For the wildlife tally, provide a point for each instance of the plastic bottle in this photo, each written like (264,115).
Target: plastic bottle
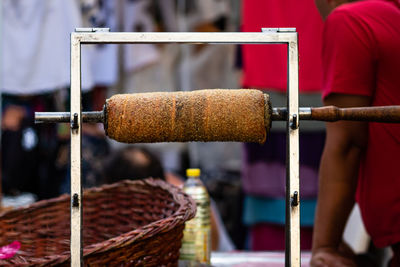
(196,242)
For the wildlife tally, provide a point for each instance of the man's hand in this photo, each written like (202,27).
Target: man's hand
(329,257)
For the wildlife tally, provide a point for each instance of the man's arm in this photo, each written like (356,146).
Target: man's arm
(338,175)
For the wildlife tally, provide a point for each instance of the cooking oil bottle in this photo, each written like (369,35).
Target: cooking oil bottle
(196,242)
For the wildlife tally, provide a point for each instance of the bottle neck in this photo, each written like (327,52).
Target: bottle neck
(193,181)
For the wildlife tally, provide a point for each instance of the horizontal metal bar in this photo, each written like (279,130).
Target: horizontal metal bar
(59,117)
(185,37)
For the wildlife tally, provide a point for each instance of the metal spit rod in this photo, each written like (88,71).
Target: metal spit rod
(278,114)
(329,113)
(60,117)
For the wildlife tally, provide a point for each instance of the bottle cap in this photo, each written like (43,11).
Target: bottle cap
(193,172)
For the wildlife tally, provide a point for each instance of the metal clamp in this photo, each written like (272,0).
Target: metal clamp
(294,122)
(74,122)
(295,199)
(75,200)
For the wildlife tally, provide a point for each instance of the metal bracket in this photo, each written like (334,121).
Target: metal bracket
(278,30)
(92,29)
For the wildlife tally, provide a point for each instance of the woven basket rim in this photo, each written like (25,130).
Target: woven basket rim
(185,211)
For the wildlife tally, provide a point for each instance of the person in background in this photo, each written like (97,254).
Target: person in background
(361,62)
(264,166)
(34,75)
(134,162)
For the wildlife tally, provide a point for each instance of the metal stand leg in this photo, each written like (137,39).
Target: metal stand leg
(292,253)
(76,150)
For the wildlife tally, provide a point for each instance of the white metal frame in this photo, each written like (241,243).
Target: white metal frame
(286,36)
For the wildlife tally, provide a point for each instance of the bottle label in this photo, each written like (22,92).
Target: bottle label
(196,243)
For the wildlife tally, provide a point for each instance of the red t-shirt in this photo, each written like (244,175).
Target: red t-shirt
(361,56)
(265,66)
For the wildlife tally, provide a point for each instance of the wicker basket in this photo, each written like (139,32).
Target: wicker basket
(129,223)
